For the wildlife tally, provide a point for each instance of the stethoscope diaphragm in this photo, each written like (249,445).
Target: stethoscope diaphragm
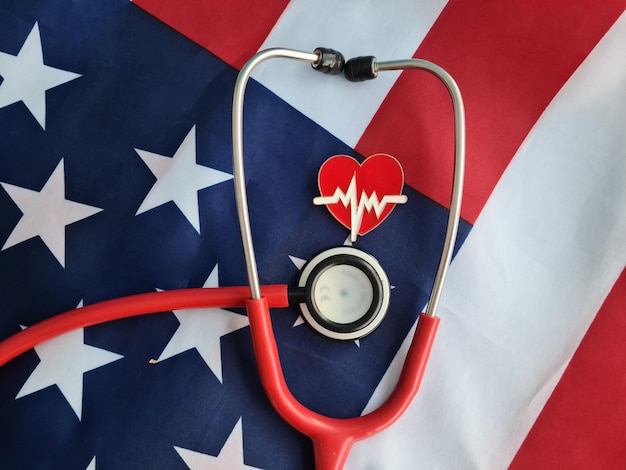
(346,293)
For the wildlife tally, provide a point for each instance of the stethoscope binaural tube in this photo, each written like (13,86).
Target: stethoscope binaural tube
(332,438)
(238,171)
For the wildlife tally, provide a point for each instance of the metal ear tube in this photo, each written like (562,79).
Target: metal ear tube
(332,438)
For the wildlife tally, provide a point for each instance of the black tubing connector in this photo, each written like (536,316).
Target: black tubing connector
(360,69)
(296,295)
(330,61)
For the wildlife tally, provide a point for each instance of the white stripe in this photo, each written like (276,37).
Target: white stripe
(527,283)
(389,30)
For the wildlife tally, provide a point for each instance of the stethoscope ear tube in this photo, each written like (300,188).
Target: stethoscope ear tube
(332,437)
(359,64)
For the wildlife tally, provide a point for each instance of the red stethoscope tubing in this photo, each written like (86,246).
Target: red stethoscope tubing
(333,437)
(134,305)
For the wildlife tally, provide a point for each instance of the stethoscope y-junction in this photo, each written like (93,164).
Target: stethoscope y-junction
(343,292)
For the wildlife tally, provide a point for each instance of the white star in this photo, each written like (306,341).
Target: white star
(203,329)
(46,213)
(298,263)
(230,457)
(179,179)
(92,464)
(64,360)
(26,77)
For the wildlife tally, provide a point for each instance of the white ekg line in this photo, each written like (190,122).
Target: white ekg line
(349,198)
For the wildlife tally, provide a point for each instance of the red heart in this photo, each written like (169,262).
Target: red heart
(360,196)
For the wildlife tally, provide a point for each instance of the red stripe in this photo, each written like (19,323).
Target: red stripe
(583,421)
(233,30)
(509,60)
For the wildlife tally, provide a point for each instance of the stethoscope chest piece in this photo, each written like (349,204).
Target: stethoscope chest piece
(346,293)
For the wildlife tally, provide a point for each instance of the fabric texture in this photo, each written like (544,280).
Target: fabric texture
(116,175)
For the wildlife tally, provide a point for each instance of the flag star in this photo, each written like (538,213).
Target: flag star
(63,361)
(298,263)
(26,78)
(231,455)
(202,329)
(46,213)
(92,464)
(179,179)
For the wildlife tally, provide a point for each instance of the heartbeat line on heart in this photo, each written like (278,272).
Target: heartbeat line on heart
(358,208)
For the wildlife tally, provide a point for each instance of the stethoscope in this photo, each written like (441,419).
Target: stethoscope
(343,292)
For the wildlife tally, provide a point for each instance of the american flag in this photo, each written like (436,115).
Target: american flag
(116,175)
